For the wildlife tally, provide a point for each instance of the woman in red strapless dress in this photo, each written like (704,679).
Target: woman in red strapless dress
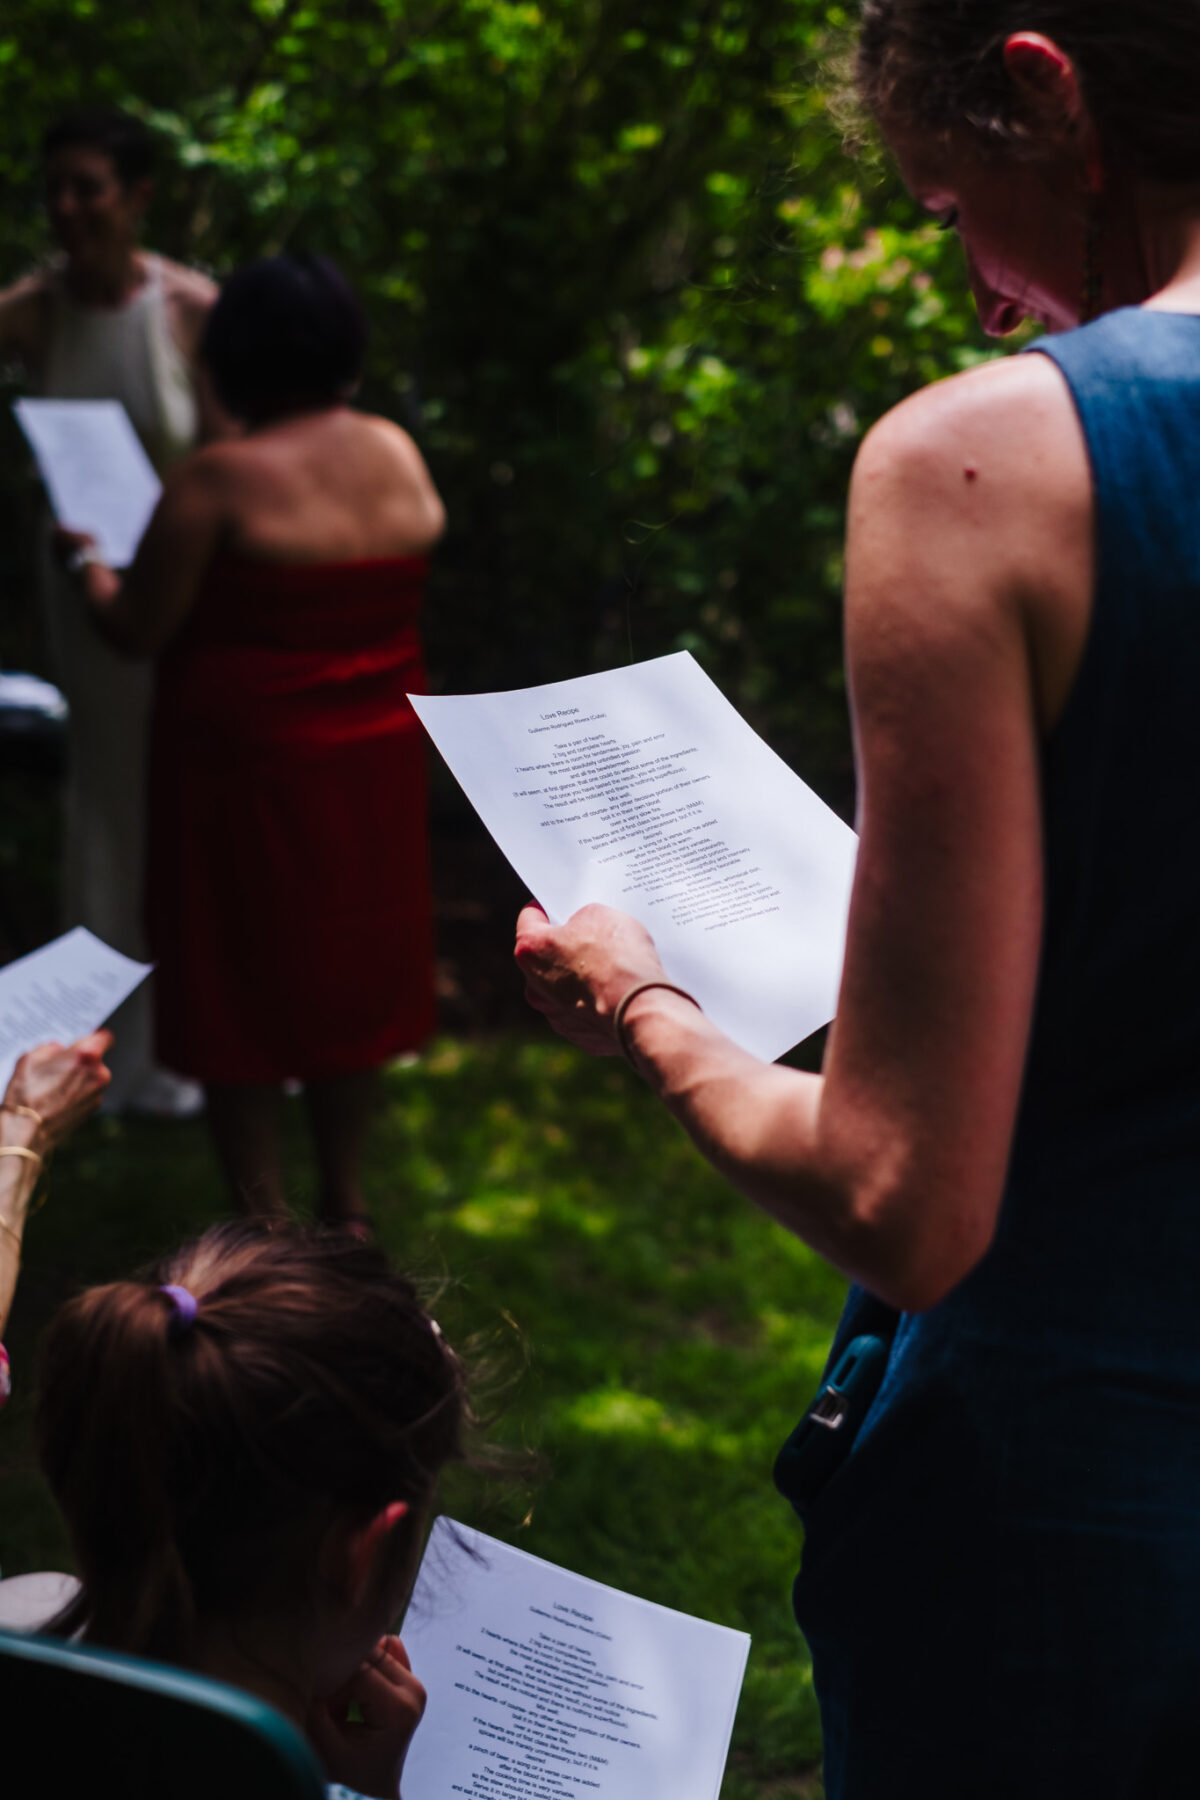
(279,585)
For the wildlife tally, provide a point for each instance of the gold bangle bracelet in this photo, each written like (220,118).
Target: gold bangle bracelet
(20,1150)
(643,987)
(22,1112)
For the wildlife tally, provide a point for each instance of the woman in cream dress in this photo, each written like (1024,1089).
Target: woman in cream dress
(109,321)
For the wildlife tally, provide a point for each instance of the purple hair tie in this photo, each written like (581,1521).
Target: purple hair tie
(183,1309)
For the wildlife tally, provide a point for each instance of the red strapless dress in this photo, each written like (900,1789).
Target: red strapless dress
(288,890)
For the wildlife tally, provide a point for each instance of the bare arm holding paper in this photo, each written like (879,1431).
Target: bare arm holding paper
(61,992)
(142,612)
(51,1091)
(892,1162)
(644,789)
(110,503)
(99,478)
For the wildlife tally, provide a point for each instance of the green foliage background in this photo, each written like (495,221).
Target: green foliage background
(625,286)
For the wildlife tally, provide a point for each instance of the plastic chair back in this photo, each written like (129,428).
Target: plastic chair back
(77,1720)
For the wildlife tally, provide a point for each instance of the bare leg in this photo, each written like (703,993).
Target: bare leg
(339,1112)
(244,1122)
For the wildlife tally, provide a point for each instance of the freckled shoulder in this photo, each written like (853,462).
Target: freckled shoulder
(1008,429)
(972,520)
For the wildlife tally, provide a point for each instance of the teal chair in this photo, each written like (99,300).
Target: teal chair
(76,1721)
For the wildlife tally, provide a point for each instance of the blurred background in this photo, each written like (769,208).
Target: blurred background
(625,288)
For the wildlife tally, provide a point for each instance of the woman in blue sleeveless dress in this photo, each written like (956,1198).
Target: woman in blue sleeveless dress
(1001,1582)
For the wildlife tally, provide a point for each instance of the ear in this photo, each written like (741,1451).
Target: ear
(366,1548)
(1047,80)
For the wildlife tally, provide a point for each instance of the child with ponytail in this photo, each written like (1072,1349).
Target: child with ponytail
(245,1447)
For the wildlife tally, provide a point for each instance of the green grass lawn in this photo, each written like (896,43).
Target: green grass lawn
(660,1337)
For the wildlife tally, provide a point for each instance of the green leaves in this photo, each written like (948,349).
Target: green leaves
(611,249)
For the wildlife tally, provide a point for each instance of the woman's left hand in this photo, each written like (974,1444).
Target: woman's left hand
(367,1754)
(577,974)
(61,1084)
(100,583)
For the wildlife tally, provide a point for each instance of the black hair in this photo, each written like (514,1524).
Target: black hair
(287,332)
(936,64)
(120,135)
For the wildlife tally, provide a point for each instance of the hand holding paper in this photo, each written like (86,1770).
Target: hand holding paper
(62,992)
(99,478)
(367,1754)
(617,953)
(62,1084)
(644,791)
(544,1685)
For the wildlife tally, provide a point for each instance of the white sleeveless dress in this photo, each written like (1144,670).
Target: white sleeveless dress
(125,353)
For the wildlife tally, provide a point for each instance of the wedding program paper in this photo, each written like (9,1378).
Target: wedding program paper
(644,789)
(61,992)
(97,474)
(544,1685)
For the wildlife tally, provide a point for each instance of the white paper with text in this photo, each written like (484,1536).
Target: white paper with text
(61,992)
(644,789)
(544,1685)
(96,472)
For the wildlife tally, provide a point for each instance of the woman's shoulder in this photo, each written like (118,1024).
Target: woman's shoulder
(996,452)
(1002,410)
(188,296)
(210,484)
(391,458)
(972,519)
(189,287)
(390,440)
(211,465)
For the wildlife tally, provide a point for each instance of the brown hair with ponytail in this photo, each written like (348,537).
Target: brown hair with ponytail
(930,65)
(199,1466)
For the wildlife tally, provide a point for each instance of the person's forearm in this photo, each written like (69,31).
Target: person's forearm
(855,1161)
(762,1127)
(18,1178)
(756,1122)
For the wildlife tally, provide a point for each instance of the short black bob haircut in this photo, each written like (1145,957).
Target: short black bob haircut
(117,134)
(287,333)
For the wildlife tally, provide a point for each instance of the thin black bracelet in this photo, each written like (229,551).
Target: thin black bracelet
(623,1006)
